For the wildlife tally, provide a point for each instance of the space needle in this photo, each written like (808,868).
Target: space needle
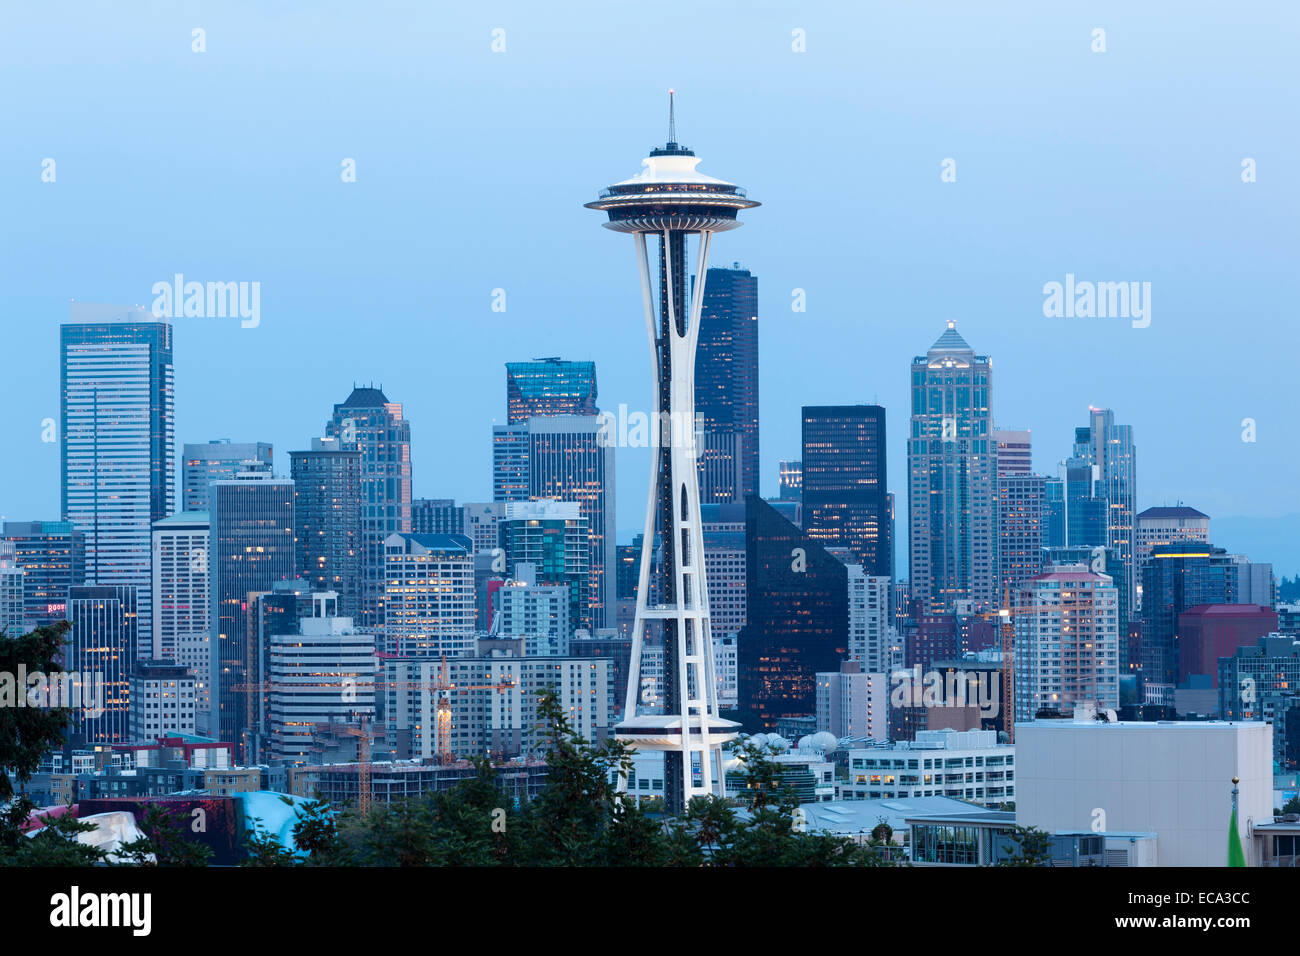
(670,199)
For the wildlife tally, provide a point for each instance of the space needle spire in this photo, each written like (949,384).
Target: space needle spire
(671,200)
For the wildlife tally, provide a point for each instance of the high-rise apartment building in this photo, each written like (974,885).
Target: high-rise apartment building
(726,373)
(327,520)
(845,499)
(205,462)
(852,702)
(118,440)
(1022,524)
(537,614)
(725,571)
(564,458)
(164,701)
(1066,642)
(871,627)
(367,422)
(429,609)
(952,477)
(181,599)
(250,548)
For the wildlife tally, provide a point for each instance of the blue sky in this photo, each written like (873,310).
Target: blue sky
(472,167)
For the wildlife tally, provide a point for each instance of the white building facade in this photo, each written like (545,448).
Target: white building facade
(968,765)
(1173,778)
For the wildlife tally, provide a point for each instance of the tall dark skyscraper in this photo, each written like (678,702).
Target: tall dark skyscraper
(250,548)
(1176,578)
(118,440)
(726,377)
(549,386)
(845,501)
(101,647)
(327,520)
(952,478)
(797,617)
(372,425)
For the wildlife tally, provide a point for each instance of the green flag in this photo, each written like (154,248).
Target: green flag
(1236,857)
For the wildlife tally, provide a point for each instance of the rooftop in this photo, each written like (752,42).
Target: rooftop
(1180,511)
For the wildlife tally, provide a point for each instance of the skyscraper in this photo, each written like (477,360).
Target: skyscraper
(549,386)
(1066,642)
(1110,450)
(369,423)
(327,520)
(52,555)
(796,621)
(952,477)
(118,440)
(790,480)
(845,501)
(323,674)
(1165,525)
(205,462)
(1022,523)
(181,602)
(551,538)
(429,609)
(537,614)
(101,648)
(1177,577)
(250,547)
(726,374)
(564,458)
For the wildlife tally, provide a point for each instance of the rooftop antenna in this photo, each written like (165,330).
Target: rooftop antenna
(672,121)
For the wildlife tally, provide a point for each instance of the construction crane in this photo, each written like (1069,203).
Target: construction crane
(363,763)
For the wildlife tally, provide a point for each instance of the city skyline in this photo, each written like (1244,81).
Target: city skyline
(950,526)
(914,285)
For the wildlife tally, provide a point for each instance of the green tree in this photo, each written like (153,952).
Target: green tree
(28,733)
(165,838)
(1031,846)
(55,845)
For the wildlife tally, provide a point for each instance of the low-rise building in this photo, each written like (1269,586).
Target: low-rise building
(969,765)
